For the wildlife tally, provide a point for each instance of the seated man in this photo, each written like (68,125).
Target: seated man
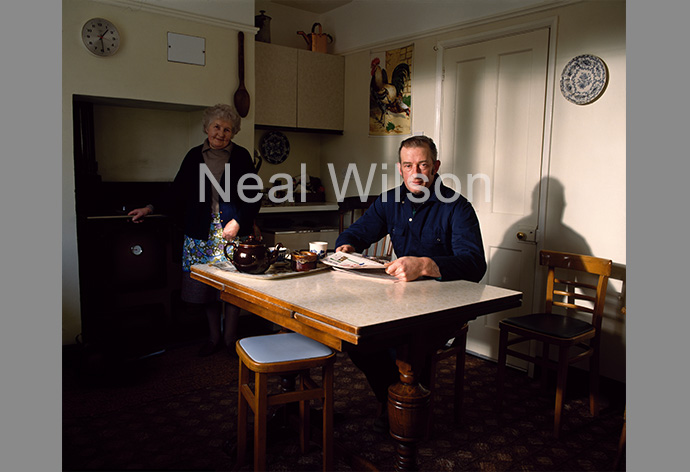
(435,233)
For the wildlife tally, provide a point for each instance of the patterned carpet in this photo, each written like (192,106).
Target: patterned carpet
(176,411)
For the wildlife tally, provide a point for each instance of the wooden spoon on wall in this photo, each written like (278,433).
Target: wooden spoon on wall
(241,95)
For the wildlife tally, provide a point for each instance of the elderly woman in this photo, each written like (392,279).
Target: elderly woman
(210,222)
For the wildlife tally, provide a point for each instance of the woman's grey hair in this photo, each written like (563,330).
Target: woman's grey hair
(223,112)
(420,141)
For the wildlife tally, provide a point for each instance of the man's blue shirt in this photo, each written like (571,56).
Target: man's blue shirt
(446,231)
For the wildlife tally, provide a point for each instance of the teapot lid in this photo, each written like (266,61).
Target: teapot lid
(251,241)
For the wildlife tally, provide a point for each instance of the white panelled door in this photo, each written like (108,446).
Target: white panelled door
(492,131)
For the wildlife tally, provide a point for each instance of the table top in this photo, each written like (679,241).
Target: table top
(353,307)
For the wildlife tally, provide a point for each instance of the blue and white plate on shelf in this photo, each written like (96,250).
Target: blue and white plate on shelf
(584,79)
(274,147)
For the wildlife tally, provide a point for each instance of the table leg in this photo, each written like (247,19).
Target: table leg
(408,411)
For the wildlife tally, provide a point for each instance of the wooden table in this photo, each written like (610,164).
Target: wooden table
(343,310)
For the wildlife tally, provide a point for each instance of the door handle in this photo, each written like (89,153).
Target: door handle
(526,234)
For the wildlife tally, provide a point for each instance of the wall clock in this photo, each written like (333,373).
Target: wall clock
(100,37)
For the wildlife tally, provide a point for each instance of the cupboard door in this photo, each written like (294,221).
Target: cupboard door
(320,90)
(275,85)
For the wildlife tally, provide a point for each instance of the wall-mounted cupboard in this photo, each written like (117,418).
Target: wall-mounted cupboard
(298,89)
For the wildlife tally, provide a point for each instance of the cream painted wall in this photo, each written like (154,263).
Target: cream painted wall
(588,153)
(588,157)
(140,70)
(376,20)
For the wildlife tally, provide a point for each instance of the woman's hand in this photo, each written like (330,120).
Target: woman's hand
(138,214)
(345,248)
(231,230)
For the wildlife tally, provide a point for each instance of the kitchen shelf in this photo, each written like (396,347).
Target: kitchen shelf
(134,103)
(317,206)
(289,129)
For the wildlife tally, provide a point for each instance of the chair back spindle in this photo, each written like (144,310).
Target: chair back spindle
(352,208)
(571,292)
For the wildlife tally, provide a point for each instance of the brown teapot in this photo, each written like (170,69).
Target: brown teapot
(252,256)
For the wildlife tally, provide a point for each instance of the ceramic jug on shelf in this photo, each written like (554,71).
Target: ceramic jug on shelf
(263,22)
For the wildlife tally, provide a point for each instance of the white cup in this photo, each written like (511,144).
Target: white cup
(319,248)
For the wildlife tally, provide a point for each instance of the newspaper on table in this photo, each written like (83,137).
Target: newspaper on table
(358,264)
(350,260)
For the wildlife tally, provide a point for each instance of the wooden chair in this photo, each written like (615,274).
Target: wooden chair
(381,249)
(352,208)
(455,347)
(621,445)
(281,354)
(576,295)
(621,440)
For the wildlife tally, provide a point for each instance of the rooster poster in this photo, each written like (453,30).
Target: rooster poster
(390,96)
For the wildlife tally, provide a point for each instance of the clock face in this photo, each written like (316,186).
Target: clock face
(100,37)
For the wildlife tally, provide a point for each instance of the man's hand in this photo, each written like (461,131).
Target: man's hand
(409,268)
(345,248)
(231,230)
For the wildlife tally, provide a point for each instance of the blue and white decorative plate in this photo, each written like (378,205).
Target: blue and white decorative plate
(584,79)
(274,147)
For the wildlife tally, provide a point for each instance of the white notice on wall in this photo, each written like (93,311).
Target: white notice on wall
(186,49)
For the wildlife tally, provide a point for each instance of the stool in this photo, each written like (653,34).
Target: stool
(283,353)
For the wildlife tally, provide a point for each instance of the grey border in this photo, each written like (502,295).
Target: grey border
(657,121)
(657,233)
(30,190)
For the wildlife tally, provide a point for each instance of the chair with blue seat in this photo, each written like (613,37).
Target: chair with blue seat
(283,354)
(576,285)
